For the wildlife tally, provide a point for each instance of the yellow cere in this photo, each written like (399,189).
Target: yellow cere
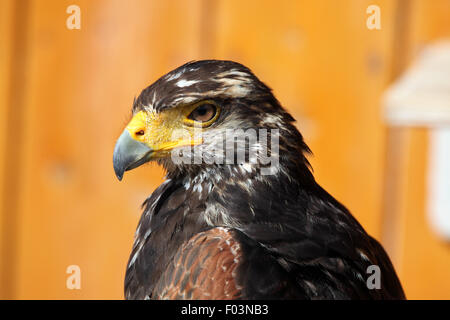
(165,130)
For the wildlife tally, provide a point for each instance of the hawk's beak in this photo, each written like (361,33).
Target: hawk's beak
(129,154)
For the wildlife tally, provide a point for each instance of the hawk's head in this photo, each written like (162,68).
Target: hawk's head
(209,114)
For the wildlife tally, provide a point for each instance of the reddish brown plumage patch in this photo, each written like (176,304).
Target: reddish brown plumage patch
(203,268)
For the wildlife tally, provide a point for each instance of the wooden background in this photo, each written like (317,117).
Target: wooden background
(65,96)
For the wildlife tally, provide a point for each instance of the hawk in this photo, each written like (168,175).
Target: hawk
(226,223)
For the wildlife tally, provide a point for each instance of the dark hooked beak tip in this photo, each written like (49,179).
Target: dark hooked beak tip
(119,173)
(129,154)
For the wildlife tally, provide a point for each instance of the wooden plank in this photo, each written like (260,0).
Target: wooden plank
(13,30)
(397,144)
(82,83)
(6,8)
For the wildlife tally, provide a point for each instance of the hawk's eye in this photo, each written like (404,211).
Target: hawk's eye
(203,113)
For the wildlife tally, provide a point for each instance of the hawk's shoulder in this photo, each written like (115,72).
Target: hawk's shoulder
(223,263)
(205,267)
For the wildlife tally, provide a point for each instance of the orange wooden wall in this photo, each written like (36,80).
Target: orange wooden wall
(65,96)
